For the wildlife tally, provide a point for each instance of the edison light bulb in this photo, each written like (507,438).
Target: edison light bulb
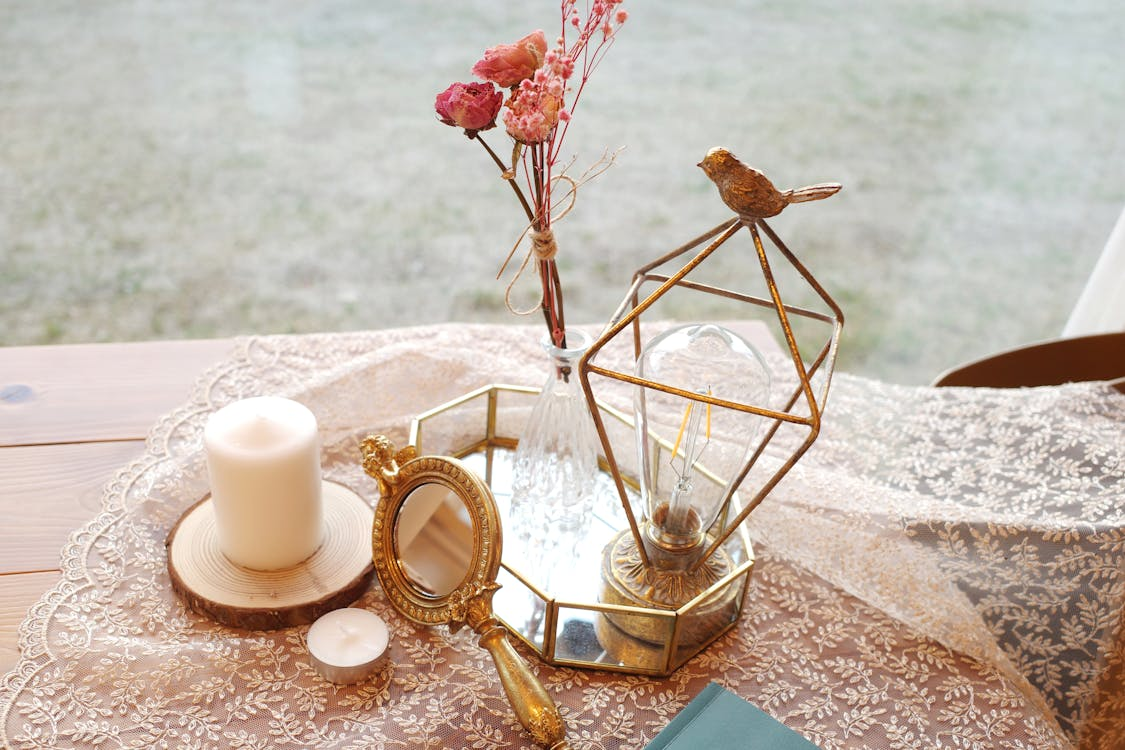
(691,451)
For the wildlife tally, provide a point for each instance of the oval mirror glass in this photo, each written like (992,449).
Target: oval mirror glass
(433,534)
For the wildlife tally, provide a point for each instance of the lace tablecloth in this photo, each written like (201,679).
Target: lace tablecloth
(943,569)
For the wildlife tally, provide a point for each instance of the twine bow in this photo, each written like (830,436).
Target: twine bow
(543,246)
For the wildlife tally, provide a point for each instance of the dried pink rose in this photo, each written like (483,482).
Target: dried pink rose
(508,64)
(472,106)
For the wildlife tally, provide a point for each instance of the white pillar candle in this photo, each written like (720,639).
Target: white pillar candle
(348,645)
(263,460)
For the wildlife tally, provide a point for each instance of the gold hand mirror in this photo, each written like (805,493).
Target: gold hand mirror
(436,544)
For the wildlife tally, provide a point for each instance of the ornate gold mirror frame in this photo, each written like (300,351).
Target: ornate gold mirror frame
(403,475)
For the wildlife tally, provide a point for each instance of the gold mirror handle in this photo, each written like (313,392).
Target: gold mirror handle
(535,709)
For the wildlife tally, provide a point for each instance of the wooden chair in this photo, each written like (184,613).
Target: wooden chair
(1097,357)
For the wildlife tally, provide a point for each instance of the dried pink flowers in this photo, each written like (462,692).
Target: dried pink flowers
(472,106)
(538,112)
(508,64)
(532,115)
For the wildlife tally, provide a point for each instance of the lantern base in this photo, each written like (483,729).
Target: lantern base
(626,580)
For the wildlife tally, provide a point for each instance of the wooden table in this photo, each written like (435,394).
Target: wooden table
(70,416)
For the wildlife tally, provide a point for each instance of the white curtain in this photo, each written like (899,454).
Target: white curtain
(1101,307)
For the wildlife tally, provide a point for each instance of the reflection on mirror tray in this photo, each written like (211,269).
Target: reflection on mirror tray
(436,544)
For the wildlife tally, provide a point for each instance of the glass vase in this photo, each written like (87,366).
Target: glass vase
(556,462)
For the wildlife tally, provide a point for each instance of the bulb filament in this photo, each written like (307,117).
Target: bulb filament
(679,517)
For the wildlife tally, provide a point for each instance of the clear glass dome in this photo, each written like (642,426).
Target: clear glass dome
(691,451)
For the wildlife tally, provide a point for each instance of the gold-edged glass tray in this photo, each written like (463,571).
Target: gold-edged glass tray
(561,612)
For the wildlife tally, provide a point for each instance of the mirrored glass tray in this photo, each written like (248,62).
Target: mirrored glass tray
(554,600)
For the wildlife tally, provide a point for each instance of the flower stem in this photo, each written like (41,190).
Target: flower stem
(540,220)
(560,321)
(504,169)
(548,269)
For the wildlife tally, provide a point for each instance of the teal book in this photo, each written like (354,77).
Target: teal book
(718,719)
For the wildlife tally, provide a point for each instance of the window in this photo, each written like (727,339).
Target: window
(185,169)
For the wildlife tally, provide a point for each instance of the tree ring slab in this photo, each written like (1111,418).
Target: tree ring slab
(334,576)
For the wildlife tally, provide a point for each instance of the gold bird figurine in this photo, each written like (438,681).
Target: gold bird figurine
(749,193)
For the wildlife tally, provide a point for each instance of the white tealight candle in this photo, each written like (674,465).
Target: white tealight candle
(348,645)
(263,460)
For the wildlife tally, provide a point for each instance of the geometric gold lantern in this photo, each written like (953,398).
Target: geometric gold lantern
(704,418)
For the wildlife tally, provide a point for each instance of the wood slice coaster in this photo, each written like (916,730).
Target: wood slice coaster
(337,574)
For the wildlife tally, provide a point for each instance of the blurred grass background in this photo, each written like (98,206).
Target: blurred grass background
(192,168)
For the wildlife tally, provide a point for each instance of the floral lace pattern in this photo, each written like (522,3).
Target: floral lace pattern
(944,568)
